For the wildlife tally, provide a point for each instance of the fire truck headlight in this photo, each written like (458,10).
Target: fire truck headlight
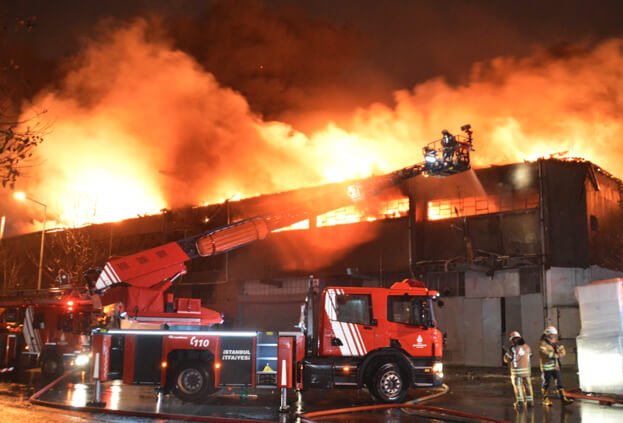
(82,360)
(438,368)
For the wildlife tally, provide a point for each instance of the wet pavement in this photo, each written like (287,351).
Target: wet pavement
(485,392)
(490,394)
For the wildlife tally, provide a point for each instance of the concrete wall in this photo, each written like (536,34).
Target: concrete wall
(525,314)
(502,284)
(562,306)
(473,328)
(531,321)
(477,330)
(474,324)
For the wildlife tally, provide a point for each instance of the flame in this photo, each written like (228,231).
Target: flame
(105,196)
(96,176)
(388,209)
(343,155)
(137,126)
(472,206)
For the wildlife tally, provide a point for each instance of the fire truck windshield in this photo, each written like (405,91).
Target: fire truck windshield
(410,310)
(78,323)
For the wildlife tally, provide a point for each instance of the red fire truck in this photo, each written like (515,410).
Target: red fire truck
(381,338)
(48,328)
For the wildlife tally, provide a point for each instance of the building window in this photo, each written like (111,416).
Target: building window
(303,224)
(344,215)
(389,209)
(351,308)
(529,280)
(473,206)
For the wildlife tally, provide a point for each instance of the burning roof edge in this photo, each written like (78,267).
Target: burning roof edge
(261,201)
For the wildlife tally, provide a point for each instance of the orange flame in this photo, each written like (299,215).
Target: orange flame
(138,126)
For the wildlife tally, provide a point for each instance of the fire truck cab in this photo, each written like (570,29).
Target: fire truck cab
(384,339)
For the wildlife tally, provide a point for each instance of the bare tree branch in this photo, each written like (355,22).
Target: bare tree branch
(11,267)
(70,253)
(18,141)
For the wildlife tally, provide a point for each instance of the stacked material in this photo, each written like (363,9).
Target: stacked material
(600,344)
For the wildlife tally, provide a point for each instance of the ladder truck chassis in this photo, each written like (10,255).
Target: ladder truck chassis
(396,348)
(384,339)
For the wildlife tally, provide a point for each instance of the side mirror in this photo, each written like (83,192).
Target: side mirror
(374,322)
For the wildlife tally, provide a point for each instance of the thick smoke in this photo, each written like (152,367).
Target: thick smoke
(137,125)
(281,59)
(567,102)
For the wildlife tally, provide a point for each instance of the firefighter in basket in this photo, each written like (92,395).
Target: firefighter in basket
(449,144)
(518,360)
(550,352)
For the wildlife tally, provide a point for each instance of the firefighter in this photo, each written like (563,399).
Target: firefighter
(550,352)
(518,360)
(448,142)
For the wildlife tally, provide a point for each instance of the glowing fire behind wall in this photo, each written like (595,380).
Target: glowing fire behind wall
(137,126)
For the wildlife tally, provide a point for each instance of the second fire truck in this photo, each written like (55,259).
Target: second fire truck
(384,339)
(49,329)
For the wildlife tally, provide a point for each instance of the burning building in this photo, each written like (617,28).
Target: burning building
(505,245)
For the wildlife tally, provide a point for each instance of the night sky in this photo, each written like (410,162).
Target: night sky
(296,49)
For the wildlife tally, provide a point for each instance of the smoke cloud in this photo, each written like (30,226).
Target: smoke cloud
(281,59)
(137,125)
(567,101)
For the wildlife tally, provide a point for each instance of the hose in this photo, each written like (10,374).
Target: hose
(434,412)
(444,390)
(35,397)
(412,407)
(600,398)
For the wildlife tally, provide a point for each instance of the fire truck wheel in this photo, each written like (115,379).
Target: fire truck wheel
(193,381)
(51,367)
(388,384)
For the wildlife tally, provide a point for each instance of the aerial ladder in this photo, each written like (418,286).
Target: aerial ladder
(140,281)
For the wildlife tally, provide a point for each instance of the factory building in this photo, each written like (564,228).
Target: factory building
(505,245)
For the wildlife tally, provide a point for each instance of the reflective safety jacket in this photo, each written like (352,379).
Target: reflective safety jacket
(549,354)
(518,360)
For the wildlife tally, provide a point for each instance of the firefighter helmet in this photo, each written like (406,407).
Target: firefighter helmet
(550,330)
(514,334)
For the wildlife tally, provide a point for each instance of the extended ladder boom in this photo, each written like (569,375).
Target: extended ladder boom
(157,268)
